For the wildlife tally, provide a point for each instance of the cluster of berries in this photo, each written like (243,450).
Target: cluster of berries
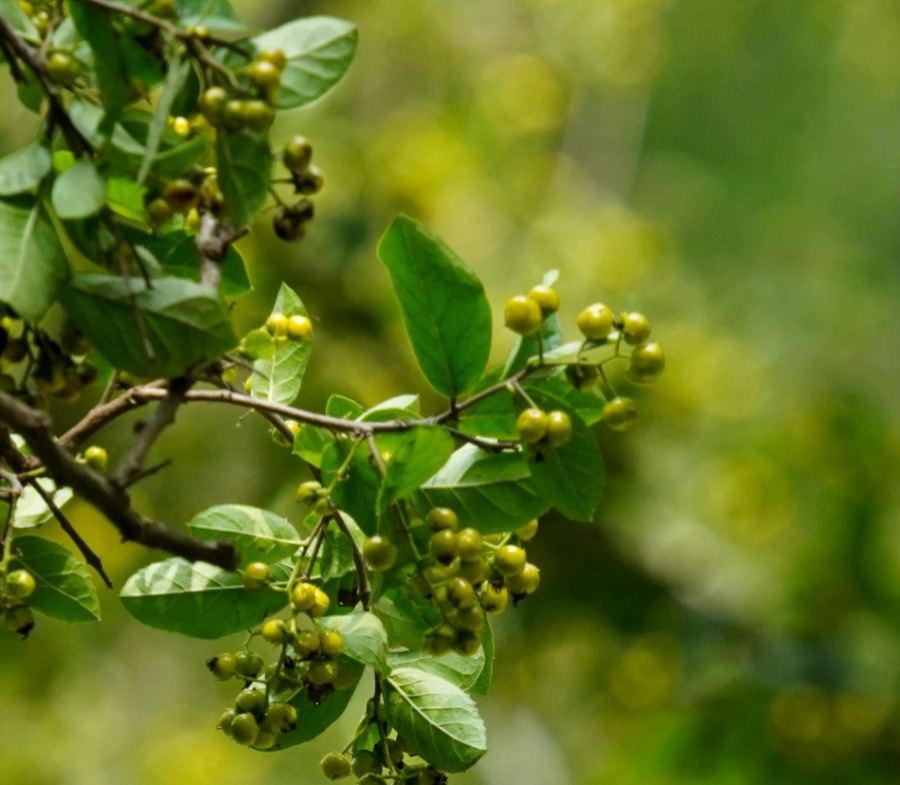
(15,587)
(290,221)
(35,367)
(367,765)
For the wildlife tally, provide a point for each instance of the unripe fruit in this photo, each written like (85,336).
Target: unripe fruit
(528,531)
(467,643)
(212,104)
(311,491)
(531,425)
(20,619)
(62,68)
(265,739)
(469,544)
(461,594)
(331,643)
(307,643)
(546,297)
(299,327)
(222,666)
(525,582)
(469,618)
(441,518)
(596,322)
(159,211)
(474,571)
(244,728)
(225,721)
(303,596)
(380,553)
(320,604)
(264,74)
(522,315)
(20,584)
(559,428)
(493,599)
(251,699)
(310,181)
(647,362)
(439,640)
(256,575)
(274,56)
(248,664)
(336,765)
(287,225)
(321,672)
(635,328)
(281,717)
(442,545)
(274,631)
(509,559)
(256,115)
(181,194)
(297,154)
(180,125)
(620,413)
(96,457)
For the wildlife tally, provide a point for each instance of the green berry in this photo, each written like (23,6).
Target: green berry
(264,75)
(380,553)
(331,643)
(531,425)
(96,457)
(442,545)
(439,640)
(620,413)
(222,666)
(321,672)
(299,327)
(524,582)
(256,575)
(281,717)
(320,604)
(225,721)
(469,544)
(20,584)
(307,643)
(274,56)
(303,596)
(274,631)
(20,619)
(248,664)
(509,559)
(181,194)
(528,531)
(647,362)
(244,728)
(288,225)
(467,643)
(212,104)
(460,594)
(596,322)
(469,618)
(635,328)
(251,699)
(493,599)
(559,428)
(265,739)
(336,765)
(297,154)
(62,68)
(441,518)
(257,115)
(546,297)
(522,315)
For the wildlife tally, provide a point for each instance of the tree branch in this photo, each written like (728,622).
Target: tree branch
(99,491)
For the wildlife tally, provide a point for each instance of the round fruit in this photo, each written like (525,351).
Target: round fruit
(96,457)
(596,322)
(159,211)
(256,575)
(469,544)
(380,553)
(20,619)
(336,765)
(297,154)
(212,104)
(509,559)
(310,181)
(559,428)
(300,327)
(546,297)
(441,518)
(461,594)
(225,721)
(264,75)
(525,582)
(265,739)
(635,328)
(528,531)
(181,194)
(281,717)
(620,413)
(257,115)
(274,56)
(469,618)
(222,666)
(20,584)
(522,315)
(251,699)
(287,226)
(647,362)
(303,596)
(274,631)
(467,643)
(244,728)
(248,664)
(494,599)
(320,604)
(233,114)
(440,640)
(321,672)
(442,545)
(474,571)
(531,425)
(307,643)
(62,68)
(309,492)
(331,643)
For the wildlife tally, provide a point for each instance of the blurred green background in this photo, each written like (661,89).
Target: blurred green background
(732,169)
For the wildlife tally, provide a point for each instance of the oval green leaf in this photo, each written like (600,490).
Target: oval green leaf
(365,639)
(24,169)
(259,535)
(244,167)
(279,377)
(79,191)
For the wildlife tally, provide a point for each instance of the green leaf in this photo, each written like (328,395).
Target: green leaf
(125,197)
(357,492)
(571,477)
(259,535)
(198,599)
(365,639)
(482,684)
(406,617)
(337,551)
(438,721)
(32,510)
(64,590)
(33,264)
(279,378)
(17,19)
(96,27)
(216,15)
(185,321)
(557,392)
(24,169)
(493,492)
(493,417)
(172,161)
(455,668)
(316,717)
(526,346)
(177,72)
(342,407)
(418,454)
(245,164)
(446,313)
(79,191)
(400,407)
(319,51)
(310,443)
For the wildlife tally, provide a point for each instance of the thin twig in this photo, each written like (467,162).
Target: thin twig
(365,590)
(89,554)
